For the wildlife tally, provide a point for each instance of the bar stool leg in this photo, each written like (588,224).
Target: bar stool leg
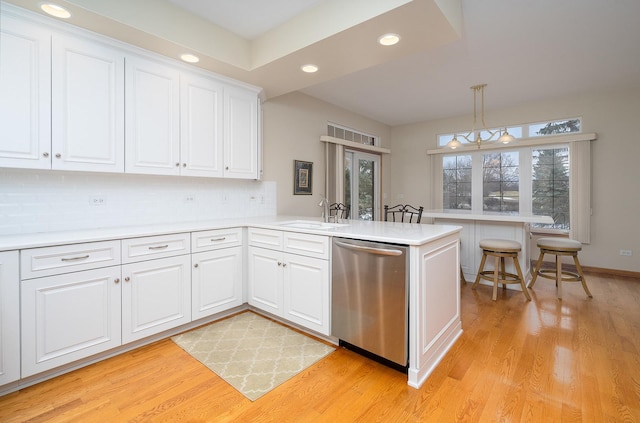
(579,269)
(535,272)
(519,271)
(559,275)
(477,281)
(496,272)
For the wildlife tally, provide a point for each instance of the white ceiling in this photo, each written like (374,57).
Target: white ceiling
(247,18)
(525,50)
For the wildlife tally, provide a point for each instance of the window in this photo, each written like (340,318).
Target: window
(525,130)
(534,179)
(500,182)
(550,185)
(456,182)
(349,134)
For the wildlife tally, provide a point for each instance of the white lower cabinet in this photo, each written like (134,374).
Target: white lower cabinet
(265,280)
(288,279)
(306,292)
(156,296)
(9,317)
(68,317)
(216,281)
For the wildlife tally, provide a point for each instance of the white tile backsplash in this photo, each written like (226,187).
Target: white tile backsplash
(47,201)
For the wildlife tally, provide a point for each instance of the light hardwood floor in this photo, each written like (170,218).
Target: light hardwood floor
(541,361)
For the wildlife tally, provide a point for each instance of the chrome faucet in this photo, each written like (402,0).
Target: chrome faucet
(324,202)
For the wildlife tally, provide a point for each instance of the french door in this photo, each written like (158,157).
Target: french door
(362,184)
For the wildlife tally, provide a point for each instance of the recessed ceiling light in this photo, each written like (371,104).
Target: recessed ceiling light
(309,68)
(55,10)
(190,58)
(389,39)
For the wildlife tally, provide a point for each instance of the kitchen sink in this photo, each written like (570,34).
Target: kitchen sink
(311,224)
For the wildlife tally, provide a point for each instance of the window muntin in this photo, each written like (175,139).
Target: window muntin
(501,182)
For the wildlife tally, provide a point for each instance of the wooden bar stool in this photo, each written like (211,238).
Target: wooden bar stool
(560,247)
(500,249)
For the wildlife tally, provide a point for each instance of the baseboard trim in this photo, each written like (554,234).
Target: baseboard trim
(589,269)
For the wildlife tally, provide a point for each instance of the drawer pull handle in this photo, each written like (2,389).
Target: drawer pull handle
(75,258)
(159,247)
(218,239)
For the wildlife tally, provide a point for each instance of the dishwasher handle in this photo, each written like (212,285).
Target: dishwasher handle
(372,250)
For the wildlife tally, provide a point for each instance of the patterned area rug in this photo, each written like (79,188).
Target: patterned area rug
(253,354)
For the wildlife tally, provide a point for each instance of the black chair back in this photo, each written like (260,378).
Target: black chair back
(403,213)
(339,210)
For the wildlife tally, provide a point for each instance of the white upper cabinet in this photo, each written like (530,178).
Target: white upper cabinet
(152,130)
(70,100)
(25,94)
(87,106)
(240,133)
(201,140)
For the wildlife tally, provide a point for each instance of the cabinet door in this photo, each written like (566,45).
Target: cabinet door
(9,317)
(25,94)
(68,317)
(265,280)
(156,296)
(152,117)
(240,133)
(306,292)
(88,106)
(216,281)
(201,126)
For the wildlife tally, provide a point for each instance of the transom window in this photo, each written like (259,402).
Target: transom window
(525,130)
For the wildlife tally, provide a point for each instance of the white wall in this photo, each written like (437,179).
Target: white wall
(292,127)
(614,116)
(45,201)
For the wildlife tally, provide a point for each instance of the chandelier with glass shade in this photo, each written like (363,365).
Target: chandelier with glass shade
(475,136)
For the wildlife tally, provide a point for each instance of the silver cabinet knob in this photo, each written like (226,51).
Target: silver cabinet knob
(279,264)
(45,154)
(177,164)
(58,155)
(226,168)
(195,265)
(127,279)
(284,264)
(184,165)
(117,280)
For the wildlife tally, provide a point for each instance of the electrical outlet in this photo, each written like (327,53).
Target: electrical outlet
(97,201)
(189,199)
(626,253)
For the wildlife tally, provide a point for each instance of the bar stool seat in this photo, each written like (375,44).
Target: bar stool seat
(560,247)
(500,249)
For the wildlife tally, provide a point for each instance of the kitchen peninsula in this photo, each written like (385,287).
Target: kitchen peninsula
(42,274)
(480,225)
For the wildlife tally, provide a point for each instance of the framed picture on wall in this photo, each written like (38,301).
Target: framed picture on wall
(302,177)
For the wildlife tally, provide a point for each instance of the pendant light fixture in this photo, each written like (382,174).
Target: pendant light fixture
(475,136)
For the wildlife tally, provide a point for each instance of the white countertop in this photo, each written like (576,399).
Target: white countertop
(488,216)
(399,233)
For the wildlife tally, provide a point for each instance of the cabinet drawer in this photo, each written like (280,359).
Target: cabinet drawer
(215,239)
(266,238)
(306,244)
(48,261)
(152,247)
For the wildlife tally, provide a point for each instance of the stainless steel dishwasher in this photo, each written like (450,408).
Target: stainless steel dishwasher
(369,298)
